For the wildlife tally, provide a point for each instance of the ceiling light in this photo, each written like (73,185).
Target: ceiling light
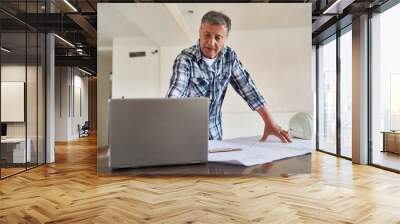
(5,49)
(84,71)
(338,6)
(64,40)
(70,5)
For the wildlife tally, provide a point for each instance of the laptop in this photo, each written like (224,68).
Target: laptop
(158,132)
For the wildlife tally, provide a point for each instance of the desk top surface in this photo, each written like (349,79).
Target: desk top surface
(294,165)
(391,132)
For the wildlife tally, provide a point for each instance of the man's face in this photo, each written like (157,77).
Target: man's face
(212,39)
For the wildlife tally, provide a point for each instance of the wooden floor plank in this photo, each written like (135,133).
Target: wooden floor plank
(70,191)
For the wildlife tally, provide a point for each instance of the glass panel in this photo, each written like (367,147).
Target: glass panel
(346,93)
(14,8)
(13,87)
(395,102)
(327,96)
(22,87)
(41,98)
(386,89)
(31,100)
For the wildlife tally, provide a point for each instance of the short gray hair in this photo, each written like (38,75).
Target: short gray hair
(217,18)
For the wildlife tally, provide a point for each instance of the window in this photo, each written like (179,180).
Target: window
(395,102)
(385,86)
(346,93)
(327,96)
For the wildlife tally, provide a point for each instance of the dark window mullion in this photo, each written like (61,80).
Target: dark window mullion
(317,96)
(44,79)
(338,92)
(369,90)
(37,90)
(26,87)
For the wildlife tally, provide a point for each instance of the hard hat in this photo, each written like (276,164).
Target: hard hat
(301,126)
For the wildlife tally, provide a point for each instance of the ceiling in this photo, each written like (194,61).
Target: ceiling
(120,25)
(180,22)
(19,54)
(77,22)
(246,16)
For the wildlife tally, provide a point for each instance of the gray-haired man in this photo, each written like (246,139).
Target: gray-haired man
(206,69)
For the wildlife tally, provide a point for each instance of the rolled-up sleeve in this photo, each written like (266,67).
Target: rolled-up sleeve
(180,78)
(245,86)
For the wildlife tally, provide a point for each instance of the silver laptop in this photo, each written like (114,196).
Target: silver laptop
(155,132)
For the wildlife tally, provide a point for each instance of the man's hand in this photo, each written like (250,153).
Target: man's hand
(277,131)
(271,128)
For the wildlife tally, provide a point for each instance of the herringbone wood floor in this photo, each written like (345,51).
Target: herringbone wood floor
(69,191)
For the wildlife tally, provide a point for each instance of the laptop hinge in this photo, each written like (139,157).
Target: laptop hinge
(195,161)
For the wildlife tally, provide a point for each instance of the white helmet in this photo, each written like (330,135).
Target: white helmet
(301,126)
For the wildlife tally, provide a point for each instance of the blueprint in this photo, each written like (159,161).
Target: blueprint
(255,152)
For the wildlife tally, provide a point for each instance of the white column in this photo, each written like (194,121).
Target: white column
(50,94)
(360,90)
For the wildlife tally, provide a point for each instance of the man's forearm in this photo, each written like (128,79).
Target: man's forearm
(271,128)
(266,116)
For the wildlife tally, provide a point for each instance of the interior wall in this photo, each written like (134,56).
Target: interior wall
(33,126)
(80,110)
(104,70)
(68,115)
(17,73)
(62,81)
(135,77)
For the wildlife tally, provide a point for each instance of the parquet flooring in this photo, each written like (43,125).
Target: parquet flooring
(69,191)
(10,171)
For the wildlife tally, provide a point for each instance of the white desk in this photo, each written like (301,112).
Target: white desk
(18,150)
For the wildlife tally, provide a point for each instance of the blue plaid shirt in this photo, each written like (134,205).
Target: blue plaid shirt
(192,77)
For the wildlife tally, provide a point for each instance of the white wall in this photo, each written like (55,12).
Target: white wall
(14,73)
(167,57)
(66,121)
(138,76)
(80,115)
(17,73)
(61,103)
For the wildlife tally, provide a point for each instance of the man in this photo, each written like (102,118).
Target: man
(206,69)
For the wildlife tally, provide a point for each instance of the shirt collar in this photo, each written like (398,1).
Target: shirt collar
(198,51)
